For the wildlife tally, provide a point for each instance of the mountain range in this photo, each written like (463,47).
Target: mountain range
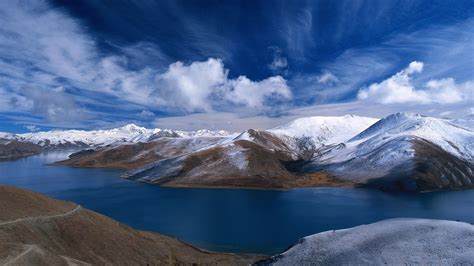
(408,152)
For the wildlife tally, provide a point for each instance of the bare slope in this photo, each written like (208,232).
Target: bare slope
(399,152)
(13,149)
(37,230)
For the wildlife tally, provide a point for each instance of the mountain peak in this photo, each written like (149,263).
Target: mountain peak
(326,129)
(131,128)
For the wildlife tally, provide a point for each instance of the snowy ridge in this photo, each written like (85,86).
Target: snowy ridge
(326,130)
(130,133)
(452,138)
(202,133)
(394,143)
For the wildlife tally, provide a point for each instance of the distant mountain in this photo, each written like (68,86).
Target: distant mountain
(325,130)
(388,242)
(251,159)
(12,149)
(402,151)
(37,230)
(70,139)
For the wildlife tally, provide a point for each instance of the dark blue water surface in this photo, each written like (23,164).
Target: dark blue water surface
(230,220)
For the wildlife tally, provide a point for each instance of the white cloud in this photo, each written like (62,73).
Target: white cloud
(279,62)
(32,128)
(55,105)
(399,88)
(189,87)
(296,29)
(254,93)
(327,78)
(44,52)
(146,114)
(448,91)
(202,85)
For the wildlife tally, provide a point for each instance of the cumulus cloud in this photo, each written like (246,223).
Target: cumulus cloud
(254,93)
(189,87)
(200,85)
(49,66)
(399,88)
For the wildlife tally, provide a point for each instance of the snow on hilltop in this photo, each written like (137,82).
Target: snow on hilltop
(394,241)
(130,133)
(452,138)
(402,145)
(325,130)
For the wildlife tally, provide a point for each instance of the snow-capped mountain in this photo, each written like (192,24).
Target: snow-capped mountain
(405,151)
(452,138)
(393,132)
(130,133)
(325,130)
(408,149)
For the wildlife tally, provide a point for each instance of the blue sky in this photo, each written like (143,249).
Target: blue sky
(230,64)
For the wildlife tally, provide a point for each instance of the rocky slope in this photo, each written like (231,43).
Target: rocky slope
(13,149)
(392,242)
(399,152)
(37,230)
(251,159)
(404,152)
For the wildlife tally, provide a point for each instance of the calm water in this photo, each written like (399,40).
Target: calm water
(231,220)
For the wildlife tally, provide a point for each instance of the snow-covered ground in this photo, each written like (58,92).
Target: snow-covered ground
(360,136)
(326,130)
(392,242)
(390,141)
(127,134)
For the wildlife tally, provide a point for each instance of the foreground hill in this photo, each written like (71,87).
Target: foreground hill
(392,242)
(37,230)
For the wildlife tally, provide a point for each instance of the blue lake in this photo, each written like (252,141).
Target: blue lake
(230,220)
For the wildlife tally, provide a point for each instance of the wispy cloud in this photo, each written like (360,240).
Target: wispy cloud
(43,49)
(445,50)
(32,128)
(297,32)
(279,62)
